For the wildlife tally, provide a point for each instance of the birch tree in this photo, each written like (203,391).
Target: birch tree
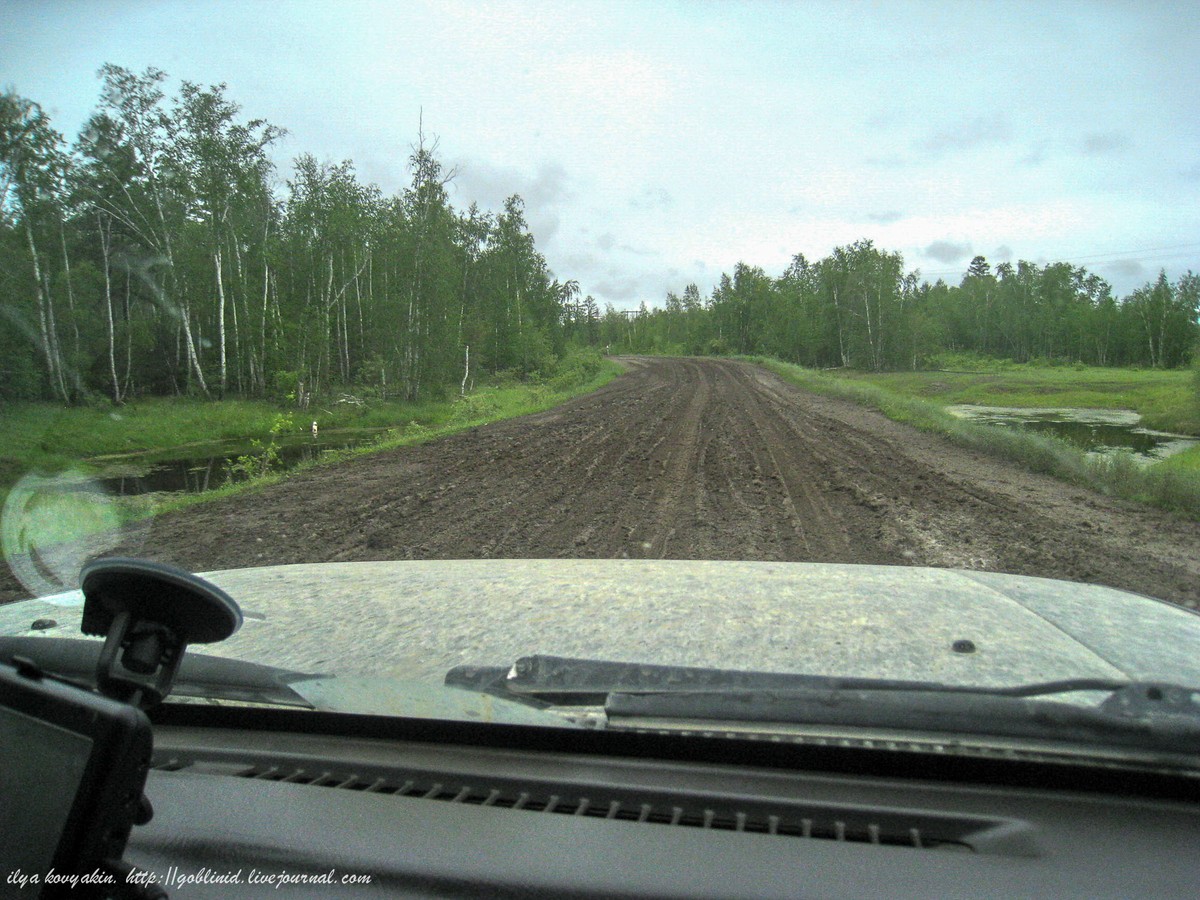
(32,168)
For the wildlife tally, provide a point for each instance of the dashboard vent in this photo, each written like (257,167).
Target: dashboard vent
(897,829)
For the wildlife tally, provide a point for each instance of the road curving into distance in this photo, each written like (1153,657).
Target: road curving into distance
(692,459)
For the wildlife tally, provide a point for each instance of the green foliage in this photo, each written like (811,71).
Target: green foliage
(536,353)
(481,406)
(263,457)
(1186,461)
(579,366)
(20,379)
(966,361)
(1196,379)
(285,385)
(158,257)
(858,309)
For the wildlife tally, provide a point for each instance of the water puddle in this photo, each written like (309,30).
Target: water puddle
(1094,430)
(212,467)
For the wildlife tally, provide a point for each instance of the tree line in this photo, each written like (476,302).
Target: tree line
(860,308)
(159,254)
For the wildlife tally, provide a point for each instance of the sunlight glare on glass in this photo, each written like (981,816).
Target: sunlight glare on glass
(53,524)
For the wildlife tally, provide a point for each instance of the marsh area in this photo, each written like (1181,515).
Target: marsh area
(1101,431)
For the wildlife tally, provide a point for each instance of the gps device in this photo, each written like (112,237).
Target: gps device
(72,768)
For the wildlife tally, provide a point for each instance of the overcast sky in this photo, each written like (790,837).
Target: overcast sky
(660,143)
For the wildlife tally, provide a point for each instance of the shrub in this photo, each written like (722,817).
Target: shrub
(966,361)
(579,366)
(263,458)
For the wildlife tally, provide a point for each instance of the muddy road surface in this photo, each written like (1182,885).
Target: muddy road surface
(691,459)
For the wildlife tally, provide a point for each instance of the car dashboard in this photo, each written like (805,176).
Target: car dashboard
(258,802)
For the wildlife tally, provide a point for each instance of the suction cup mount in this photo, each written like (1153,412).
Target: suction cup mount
(148,613)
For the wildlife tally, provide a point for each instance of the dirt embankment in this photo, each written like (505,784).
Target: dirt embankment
(691,459)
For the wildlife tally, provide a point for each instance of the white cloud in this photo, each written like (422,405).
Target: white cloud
(1124,269)
(652,199)
(946,252)
(966,134)
(1102,143)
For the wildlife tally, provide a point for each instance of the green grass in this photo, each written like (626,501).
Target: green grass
(46,436)
(1173,484)
(1165,399)
(1185,461)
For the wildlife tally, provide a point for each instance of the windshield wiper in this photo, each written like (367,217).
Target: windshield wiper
(562,679)
(1137,714)
(1127,717)
(200,675)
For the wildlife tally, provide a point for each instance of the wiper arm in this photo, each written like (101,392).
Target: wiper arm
(1127,717)
(564,679)
(1143,715)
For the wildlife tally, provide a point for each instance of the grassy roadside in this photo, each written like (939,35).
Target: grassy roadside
(492,403)
(46,439)
(1174,485)
(1166,400)
(1187,461)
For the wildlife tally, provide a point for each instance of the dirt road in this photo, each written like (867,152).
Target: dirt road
(692,459)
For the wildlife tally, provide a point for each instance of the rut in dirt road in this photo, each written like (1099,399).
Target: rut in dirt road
(679,459)
(691,459)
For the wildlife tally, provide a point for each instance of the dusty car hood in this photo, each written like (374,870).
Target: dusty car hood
(416,620)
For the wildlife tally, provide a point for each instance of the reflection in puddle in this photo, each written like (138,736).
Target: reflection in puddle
(195,474)
(1094,430)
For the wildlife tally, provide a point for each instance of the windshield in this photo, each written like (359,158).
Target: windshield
(830,340)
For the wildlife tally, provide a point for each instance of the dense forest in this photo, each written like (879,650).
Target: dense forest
(160,253)
(859,308)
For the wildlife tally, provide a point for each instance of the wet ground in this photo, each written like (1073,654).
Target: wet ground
(194,474)
(690,459)
(1101,431)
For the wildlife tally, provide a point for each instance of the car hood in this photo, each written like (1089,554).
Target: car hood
(415,620)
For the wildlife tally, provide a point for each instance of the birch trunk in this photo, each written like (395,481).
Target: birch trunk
(105,253)
(224,375)
(46,322)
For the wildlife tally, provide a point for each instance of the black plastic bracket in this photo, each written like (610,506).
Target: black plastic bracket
(148,613)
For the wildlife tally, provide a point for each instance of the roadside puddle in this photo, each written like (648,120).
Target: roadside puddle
(1101,431)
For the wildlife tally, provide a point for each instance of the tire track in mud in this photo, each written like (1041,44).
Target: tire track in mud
(690,459)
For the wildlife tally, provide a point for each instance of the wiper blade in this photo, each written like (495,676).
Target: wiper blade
(565,679)
(200,675)
(1163,717)
(1128,718)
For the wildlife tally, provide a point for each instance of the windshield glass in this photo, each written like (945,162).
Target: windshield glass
(831,340)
